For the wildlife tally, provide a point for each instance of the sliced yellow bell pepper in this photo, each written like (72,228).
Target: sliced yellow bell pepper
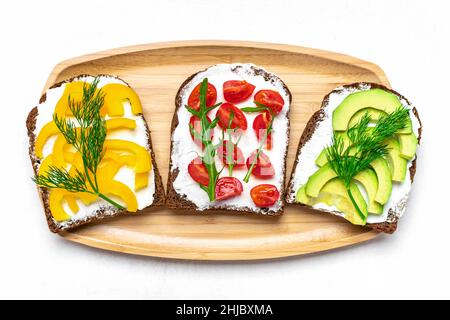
(72,202)
(120,190)
(115,95)
(140,181)
(50,129)
(45,165)
(75,91)
(143,160)
(55,202)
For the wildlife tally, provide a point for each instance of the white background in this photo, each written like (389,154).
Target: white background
(410,40)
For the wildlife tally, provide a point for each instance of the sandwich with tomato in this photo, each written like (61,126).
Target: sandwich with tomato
(230,134)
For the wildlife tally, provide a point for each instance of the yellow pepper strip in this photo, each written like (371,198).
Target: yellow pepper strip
(55,201)
(140,181)
(75,91)
(45,164)
(120,190)
(143,160)
(86,198)
(115,95)
(50,129)
(108,169)
(58,151)
(72,202)
(120,123)
(122,158)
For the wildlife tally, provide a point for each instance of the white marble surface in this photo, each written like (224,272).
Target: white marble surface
(408,39)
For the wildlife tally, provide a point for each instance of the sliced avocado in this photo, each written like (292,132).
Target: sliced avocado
(381,168)
(301,196)
(335,194)
(369,181)
(396,162)
(374,98)
(318,179)
(408,145)
(322,159)
(374,115)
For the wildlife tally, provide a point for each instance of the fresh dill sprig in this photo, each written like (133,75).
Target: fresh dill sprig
(61,179)
(87,134)
(367,144)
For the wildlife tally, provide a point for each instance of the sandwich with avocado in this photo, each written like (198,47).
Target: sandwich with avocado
(357,156)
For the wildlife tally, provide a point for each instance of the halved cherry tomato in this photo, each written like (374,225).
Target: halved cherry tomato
(264,195)
(228,187)
(236,91)
(194,97)
(224,114)
(197,170)
(238,157)
(271,99)
(263,167)
(260,125)
(195,123)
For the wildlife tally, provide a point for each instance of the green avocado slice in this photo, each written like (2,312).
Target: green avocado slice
(369,181)
(335,194)
(381,168)
(301,195)
(374,115)
(374,98)
(322,159)
(408,145)
(397,163)
(318,179)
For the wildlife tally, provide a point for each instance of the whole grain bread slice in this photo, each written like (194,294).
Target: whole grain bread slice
(176,201)
(102,212)
(388,226)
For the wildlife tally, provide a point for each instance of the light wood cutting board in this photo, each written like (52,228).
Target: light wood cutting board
(156,71)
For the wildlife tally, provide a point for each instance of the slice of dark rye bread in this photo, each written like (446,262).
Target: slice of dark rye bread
(390,225)
(102,212)
(176,201)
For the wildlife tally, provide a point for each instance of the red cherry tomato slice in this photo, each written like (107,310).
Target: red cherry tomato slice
(197,170)
(224,114)
(263,168)
(264,195)
(236,91)
(228,187)
(260,125)
(195,123)
(271,99)
(238,157)
(194,97)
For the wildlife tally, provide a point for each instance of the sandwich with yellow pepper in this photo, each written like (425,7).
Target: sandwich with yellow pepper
(91,152)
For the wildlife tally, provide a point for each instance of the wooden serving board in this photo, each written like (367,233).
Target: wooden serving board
(156,71)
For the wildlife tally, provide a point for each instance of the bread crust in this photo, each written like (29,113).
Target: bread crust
(101,213)
(176,201)
(390,225)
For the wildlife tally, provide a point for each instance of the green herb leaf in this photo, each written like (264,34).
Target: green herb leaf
(254,109)
(193,111)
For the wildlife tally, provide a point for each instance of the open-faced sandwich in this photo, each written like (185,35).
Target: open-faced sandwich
(230,135)
(91,152)
(357,156)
